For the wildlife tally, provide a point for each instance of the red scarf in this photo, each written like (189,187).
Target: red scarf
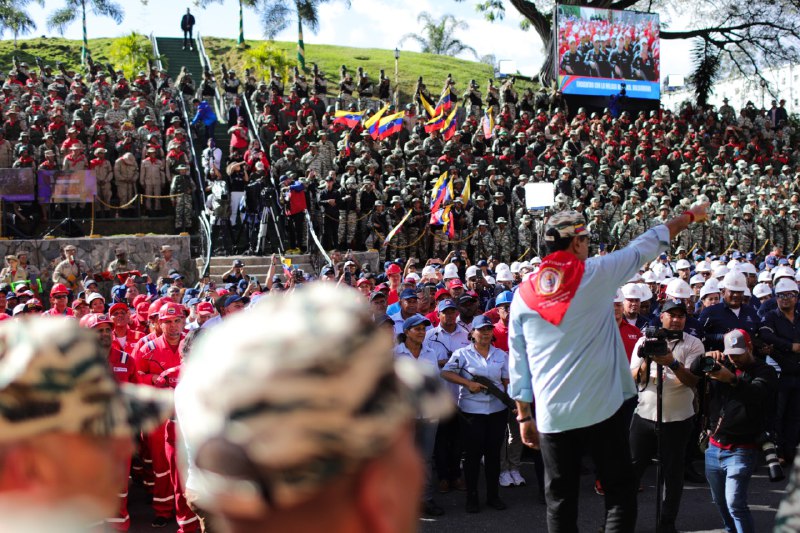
(550,291)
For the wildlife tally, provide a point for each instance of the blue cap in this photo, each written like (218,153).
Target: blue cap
(119,292)
(771,260)
(444,305)
(481,321)
(415,320)
(386,264)
(193,301)
(482,263)
(723,258)
(662,256)
(407,294)
(750,256)
(504,297)
(232,299)
(699,257)
(230,286)
(783,261)
(736,255)
(327,270)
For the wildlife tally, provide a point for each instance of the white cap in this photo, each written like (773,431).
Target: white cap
(630,291)
(472,270)
(734,281)
(782,271)
(747,293)
(19,308)
(450,271)
(414,276)
(525,264)
(703,266)
(732,264)
(94,296)
(785,285)
(536,260)
(635,279)
(504,275)
(677,288)
(697,278)
(682,264)
(649,277)
(765,276)
(721,271)
(761,290)
(711,287)
(618,298)
(430,271)
(645,291)
(515,267)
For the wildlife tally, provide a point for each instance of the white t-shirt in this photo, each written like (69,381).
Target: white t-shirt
(677,398)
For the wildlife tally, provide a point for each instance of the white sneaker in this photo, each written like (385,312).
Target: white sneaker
(505,479)
(516,477)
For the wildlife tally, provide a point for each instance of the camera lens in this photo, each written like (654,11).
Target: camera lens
(709,364)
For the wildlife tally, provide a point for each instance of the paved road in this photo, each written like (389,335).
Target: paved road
(698,514)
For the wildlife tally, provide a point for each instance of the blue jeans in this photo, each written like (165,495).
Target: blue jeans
(728,473)
(425,438)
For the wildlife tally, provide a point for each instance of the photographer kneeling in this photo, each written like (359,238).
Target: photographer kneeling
(742,391)
(682,349)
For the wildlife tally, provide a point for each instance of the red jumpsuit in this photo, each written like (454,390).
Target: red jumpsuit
(124,370)
(157,357)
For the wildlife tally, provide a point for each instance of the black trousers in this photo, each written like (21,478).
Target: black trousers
(482,436)
(297,225)
(644,447)
(187,38)
(607,443)
(330,233)
(447,450)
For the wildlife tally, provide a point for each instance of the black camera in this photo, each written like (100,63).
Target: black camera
(709,364)
(767,443)
(655,341)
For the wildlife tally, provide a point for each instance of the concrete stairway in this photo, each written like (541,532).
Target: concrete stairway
(256,266)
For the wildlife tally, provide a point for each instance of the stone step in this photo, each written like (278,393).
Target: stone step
(249,260)
(261,270)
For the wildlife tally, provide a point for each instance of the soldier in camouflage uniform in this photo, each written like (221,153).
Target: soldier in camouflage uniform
(414,227)
(503,240)
(397,246)
(793,224)
(348,214)
(747,235)
(526,237)
(735,232)
(700,236)
(613,209)
(639,223)
(763,229)
(482,242)
(622,232)
(183,186)
(599,232)
(718,241)
(780,228)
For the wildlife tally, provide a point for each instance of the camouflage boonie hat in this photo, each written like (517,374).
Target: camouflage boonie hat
(317,393)
(567,223)
(55,377)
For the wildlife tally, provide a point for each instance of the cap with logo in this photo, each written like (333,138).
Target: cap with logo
(737,341)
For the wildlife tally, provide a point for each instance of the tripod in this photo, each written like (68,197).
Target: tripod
(659,448)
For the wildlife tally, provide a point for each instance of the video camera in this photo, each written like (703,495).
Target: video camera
(655,341)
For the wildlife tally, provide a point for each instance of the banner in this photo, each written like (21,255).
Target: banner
(17,184)
(600,52)
(539,195)
(59,187)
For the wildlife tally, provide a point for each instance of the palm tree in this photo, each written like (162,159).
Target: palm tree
(15,19)
(437,37)
(63,17)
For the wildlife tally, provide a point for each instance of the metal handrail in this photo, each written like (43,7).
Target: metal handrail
(252,123)
(201,50)
(156,53)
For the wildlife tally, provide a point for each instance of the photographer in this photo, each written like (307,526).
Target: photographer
(677,406)
(741,391)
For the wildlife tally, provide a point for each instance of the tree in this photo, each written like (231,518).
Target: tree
(63,17)
(437,37)
(266,55)
(131,53)
(747,35)
(15,19)
(706,60)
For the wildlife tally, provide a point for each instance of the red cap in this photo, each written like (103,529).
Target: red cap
(362,281)
(78,302)
(59,288)
(440,293)
(92,320)
(205,308)
(382,287)
(142,309)
(454,283)
(139,299)
(170,310)
(116,307)
(223,292)
(393,269)
(154,308)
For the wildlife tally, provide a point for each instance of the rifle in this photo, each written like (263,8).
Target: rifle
(495,391)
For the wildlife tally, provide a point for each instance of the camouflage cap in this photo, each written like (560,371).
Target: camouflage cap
(317,393)
(567,224)
(54,377)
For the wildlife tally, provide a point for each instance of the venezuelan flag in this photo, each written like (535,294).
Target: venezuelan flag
(438,188)
(436,218)
(371,124)
(449,128)
(348,118)
(448,226)
(445,103)
(435,124)
(390,125)
(427,105)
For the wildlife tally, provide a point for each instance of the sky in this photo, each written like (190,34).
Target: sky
(381,24)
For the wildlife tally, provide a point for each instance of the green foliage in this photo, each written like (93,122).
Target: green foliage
(52,50)
(72,10)
(706,60)
(259,58)
(131,53)
(15,19)
(438,36)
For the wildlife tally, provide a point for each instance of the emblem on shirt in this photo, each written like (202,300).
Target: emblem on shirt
(548,281)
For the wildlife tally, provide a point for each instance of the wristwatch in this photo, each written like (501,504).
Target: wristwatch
(674,365)
(525,419)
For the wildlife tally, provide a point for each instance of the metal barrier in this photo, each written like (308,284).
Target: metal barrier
(218,104)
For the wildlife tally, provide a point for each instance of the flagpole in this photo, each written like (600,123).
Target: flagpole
(240,42)
(85,49)
(301,49)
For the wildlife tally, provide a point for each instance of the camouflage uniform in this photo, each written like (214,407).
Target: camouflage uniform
(599,230)
(700,236)
(747,236)
(718,241)
(183,186)
(397,246)
(622,233)
(413,228)
(482,242)
(503,241)
(526,237)
(348,216)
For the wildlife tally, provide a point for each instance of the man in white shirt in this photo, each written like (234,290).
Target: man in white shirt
(677,408)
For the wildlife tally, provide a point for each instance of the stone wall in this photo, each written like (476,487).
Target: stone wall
(99,252)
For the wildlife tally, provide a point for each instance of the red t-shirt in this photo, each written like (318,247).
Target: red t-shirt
(393,297)
(630,334)
(500,333)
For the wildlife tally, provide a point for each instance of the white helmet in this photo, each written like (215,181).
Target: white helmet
(703,266)
(734,281)
(472,271)
(711,287)
(649,277)
(747,268)
(765,277)
(618,298)
(682,264)
(677,288)
(490,280)
(536,260)
(504,275)
(515,267)
(732,264)
(761,290)
(697,278)
(450,271)
(636,278)
(782,272)
(501,267)
(720,272)
(785,285)
(524,265)
(631,291)
(645,291)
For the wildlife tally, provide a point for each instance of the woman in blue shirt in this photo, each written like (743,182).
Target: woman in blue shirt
(483,417)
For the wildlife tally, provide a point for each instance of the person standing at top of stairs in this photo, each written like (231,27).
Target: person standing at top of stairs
(187,25)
